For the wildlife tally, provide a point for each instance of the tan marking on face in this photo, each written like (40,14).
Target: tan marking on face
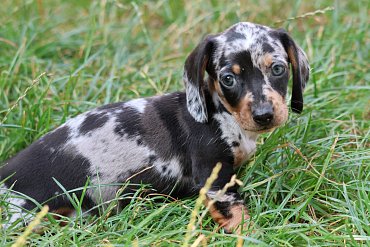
(243,113)
(229,108)
(220,94)
(236,69)
(279,105)
(267,60)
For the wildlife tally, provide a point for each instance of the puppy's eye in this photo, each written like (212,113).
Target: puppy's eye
(277,69)
(228,80)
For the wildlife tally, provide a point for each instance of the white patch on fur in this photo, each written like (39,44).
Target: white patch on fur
(195,102)
(251,33)
(15,206)
(109,154)
(214,195)
(231,131)
(137,104)
(114,158)
(267,84)
(266,89)
(173,167)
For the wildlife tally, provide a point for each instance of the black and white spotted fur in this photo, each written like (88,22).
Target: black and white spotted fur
(171,142)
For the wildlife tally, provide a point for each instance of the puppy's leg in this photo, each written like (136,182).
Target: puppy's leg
(226,209)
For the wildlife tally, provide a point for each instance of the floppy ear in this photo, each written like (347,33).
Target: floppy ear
(195,66)
(300,68)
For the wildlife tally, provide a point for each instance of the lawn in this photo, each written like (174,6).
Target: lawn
(309,182)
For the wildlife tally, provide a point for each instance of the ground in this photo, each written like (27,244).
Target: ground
(309,182)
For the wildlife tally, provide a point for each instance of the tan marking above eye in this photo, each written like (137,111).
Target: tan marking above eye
(267,60)
(236,69)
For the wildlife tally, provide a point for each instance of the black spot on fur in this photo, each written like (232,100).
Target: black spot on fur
(223,61)
(232,36)
(168,170)
(235,144)
(275,43)
(164,168)
(240,136)
(93,121)
(260,27)
(260,40)
(128,122)
(168,140)
(152,159)
(224,208)
(139,141)
(267,48)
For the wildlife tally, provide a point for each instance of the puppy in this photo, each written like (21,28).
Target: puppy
(171,142)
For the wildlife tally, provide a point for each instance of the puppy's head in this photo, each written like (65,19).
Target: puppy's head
(248,71)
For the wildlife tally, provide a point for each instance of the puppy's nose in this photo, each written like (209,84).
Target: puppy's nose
(263,114)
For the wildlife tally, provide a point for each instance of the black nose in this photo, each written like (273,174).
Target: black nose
(263,114)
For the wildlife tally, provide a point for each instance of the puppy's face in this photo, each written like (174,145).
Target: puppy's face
(252,73)
(248,67)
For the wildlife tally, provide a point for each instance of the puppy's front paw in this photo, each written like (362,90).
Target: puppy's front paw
(240,219)
(232,217)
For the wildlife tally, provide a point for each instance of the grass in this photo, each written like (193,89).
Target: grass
(308,184)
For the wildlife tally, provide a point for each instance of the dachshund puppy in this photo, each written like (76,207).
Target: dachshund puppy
(236,85)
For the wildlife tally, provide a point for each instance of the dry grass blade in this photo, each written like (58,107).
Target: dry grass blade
(34,82)
(23,238)
(308,14)
(202,197)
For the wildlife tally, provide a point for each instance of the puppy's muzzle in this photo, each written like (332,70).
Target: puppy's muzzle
(263,114)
